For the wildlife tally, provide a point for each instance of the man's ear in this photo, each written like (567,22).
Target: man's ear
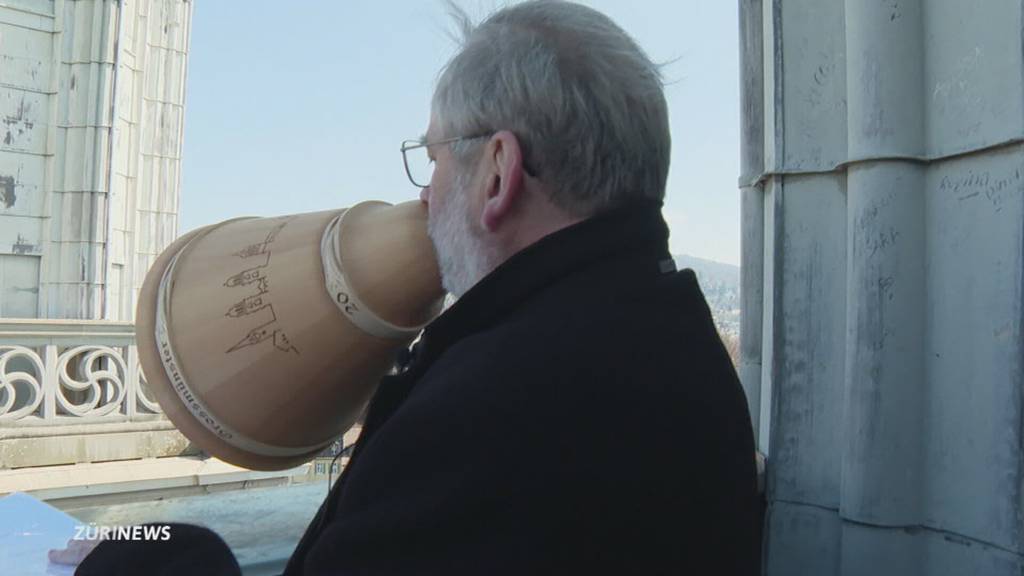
(504,179)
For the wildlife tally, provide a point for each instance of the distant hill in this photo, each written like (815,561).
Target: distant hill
(709,270)
(720,283)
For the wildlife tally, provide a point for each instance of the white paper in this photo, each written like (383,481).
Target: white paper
(29,529)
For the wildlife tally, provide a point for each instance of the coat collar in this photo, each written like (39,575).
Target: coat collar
(636,230)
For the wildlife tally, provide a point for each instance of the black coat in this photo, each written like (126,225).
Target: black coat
(573,413)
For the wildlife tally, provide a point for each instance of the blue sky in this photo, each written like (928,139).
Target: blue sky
(303,108)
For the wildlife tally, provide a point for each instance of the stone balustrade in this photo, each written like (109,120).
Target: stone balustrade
(73,391)
(71,372)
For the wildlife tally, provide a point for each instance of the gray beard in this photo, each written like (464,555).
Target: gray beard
(460,258)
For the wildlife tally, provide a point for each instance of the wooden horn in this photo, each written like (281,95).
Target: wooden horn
(263,338)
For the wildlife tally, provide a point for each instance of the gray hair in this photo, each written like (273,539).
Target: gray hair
(585,102)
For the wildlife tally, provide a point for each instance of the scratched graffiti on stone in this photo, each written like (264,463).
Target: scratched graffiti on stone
(871,231)
(258,305)
(871,213)
(881,241)
(982,184)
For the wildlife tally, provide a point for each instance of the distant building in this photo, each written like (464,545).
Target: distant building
(92,97)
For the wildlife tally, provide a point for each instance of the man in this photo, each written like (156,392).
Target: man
(574,411)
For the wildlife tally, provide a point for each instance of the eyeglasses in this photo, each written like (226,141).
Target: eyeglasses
(418,164)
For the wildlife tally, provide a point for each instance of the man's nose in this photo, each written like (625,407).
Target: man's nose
(425,194)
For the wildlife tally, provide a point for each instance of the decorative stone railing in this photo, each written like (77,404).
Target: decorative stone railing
(73,391)
(71,372)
